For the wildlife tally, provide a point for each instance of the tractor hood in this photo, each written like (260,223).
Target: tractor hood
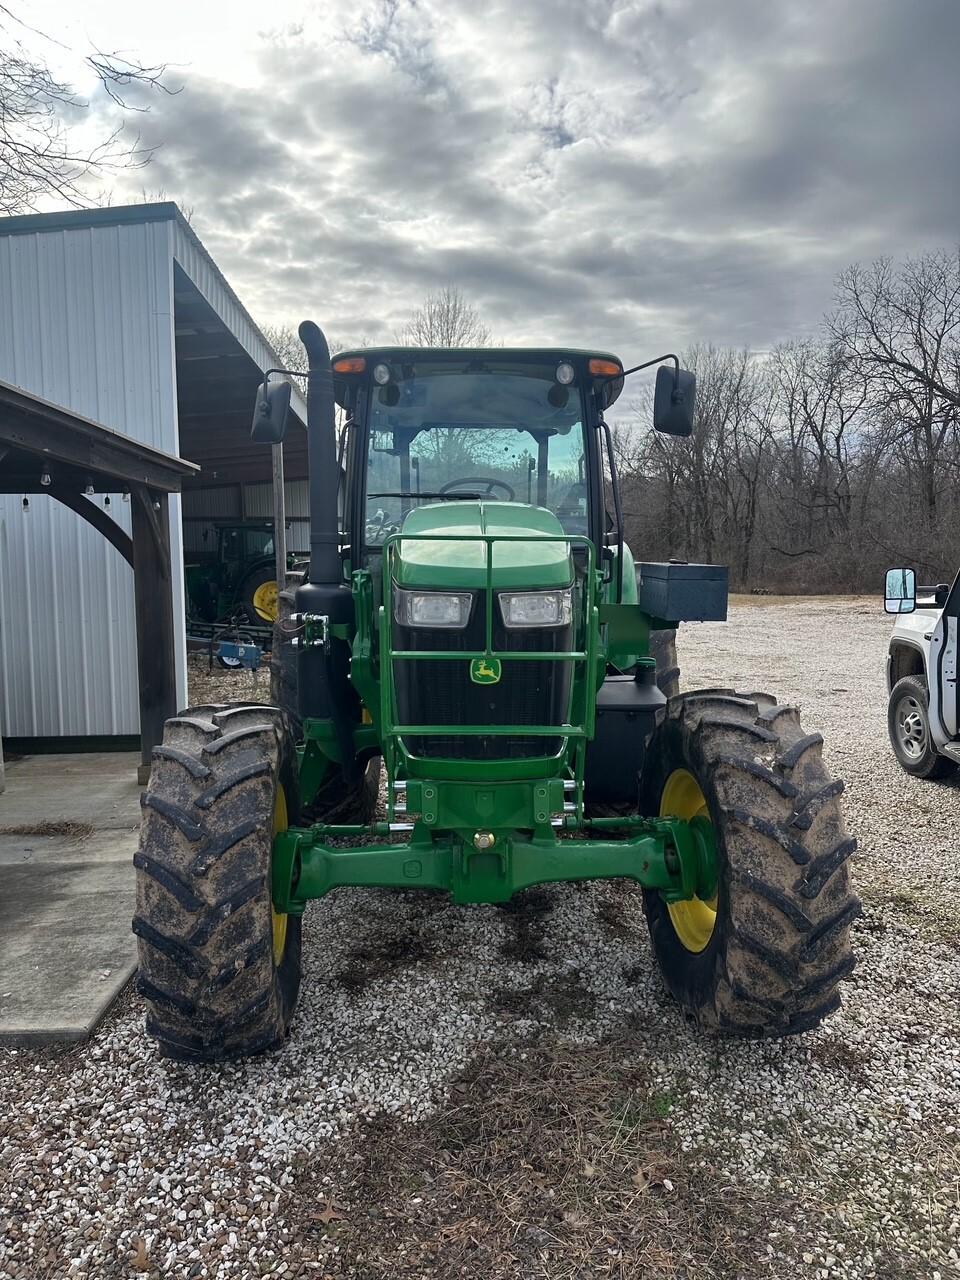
(461,562)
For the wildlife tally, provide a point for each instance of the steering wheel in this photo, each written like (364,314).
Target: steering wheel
(480,481)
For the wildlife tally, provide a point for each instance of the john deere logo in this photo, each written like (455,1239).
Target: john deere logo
(485,670)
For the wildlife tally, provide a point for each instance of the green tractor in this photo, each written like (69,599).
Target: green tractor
(239,581)
(473,623)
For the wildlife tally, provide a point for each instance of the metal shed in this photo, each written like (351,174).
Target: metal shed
(49,452)
(119,315)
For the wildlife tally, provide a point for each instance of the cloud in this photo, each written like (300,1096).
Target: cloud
(620,173)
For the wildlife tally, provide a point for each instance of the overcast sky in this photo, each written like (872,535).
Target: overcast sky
(609,173)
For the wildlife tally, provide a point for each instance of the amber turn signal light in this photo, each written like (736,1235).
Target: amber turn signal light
(605,368)
(352,364)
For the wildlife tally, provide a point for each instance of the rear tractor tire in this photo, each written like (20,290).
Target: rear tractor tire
(258,596)
(663,647)
(764,957)
(219,969)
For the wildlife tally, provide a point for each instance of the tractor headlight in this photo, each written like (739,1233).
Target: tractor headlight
(433,608)
(536,608)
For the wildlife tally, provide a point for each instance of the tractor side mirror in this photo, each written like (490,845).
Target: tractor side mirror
(900,592)
(270,412)
(673,401)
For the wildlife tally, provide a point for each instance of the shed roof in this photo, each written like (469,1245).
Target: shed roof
(220,353)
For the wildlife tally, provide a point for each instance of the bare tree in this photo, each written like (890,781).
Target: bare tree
(905,321)
(160,196)
(822,394)
(445,319)
(42,154)
(285,341)
(819,466)
(902,326)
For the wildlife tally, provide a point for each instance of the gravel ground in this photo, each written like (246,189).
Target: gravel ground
(497,1092)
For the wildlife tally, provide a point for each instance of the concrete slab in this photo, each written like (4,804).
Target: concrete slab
(100,789)
(66,903)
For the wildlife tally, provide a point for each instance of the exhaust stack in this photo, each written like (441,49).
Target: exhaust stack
(323,669)
(322,454)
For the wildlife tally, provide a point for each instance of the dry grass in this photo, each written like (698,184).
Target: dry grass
(217,684)
(71,830)
(762,601)
(555,1162)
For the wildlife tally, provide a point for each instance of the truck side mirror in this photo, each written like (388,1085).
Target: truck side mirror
(270,412)
(673,400)
(900,593)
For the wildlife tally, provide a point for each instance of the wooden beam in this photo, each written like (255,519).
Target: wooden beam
(154,606)
(279,514)
(51,433)
(160,542)
(96,516)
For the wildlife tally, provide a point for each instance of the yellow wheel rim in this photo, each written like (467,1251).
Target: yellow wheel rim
(265,601)
(280,823)
(693,920)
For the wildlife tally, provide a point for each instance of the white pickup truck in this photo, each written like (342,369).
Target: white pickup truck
(922,674)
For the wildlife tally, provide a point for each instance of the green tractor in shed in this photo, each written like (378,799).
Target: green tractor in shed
(238,579)
(473,623)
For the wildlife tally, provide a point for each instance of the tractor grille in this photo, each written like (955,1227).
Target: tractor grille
(441,692)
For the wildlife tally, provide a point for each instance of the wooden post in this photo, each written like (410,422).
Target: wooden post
(279,517)
(154,605)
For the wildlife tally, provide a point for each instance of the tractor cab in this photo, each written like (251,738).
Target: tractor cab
(506,426)
(242,544)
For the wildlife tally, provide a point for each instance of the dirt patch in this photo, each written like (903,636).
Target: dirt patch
(556,1162)
(615,923)
(372,961)
(838,1055)
(557,1000)
(70,830)
(526,916)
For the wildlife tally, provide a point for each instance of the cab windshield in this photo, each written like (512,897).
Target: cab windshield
(441,432)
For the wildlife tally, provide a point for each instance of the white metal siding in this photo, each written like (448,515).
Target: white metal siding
(86,320)
(215,504)
(258,504)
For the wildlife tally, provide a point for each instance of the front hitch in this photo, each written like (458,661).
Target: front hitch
(671,855)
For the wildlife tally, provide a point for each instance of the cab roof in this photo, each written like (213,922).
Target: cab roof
(503,355)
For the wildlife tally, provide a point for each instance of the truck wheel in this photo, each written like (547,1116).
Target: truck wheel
(766,955)
(663,647)
(219,968)
(908,723)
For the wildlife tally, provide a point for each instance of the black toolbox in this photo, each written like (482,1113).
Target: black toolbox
(679,592)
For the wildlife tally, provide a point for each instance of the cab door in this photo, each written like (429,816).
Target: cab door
(942,676)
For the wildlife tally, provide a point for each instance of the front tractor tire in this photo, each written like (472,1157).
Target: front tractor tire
(219,969)
(767,954)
